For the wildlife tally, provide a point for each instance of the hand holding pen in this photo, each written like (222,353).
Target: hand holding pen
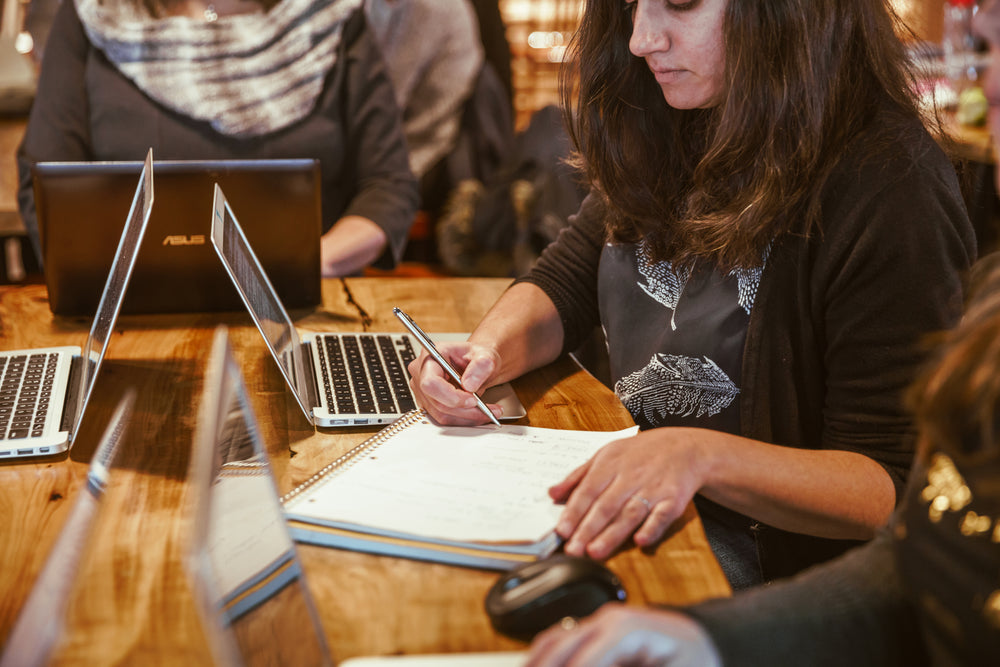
(432,350)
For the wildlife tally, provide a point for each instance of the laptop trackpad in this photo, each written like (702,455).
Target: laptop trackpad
(508,400)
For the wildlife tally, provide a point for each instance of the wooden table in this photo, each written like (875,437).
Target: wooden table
(11,131)
(13,236)
(132,603)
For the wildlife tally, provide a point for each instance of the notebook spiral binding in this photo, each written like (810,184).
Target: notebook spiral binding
(346,460)
(251,468)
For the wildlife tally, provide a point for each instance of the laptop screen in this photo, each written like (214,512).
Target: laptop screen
(250,585)
(177,271)
(114,288)
(261,300)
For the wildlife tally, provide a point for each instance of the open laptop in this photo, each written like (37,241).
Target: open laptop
(177,270)
(40,625)
(338,379)
(246,575)
(44,391)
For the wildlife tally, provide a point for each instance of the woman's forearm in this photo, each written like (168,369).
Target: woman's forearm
(350,245)
(524,328)
(826,493)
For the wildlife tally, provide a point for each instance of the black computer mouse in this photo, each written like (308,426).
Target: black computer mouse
(531,597)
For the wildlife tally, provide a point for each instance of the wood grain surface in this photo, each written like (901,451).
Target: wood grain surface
(11,131)
(131,602)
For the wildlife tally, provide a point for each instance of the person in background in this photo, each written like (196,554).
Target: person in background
(496,47)
(771,231)
(232,79)
(457,113)
(926,590)
(433,53)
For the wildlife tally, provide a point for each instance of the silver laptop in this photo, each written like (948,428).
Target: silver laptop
(177,269)
(247,578)
(338,379)
(44,391)
(40,625)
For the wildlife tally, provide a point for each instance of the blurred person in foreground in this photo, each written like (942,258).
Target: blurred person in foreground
(232,79)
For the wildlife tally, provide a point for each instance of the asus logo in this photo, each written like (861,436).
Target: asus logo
(181,239)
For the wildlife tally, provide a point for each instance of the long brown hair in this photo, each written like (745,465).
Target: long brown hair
(804,79)
(956,401)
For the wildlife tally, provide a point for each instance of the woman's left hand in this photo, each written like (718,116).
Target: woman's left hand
(640,485)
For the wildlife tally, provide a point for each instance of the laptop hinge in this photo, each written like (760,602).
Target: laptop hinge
(309,381)
(73,397)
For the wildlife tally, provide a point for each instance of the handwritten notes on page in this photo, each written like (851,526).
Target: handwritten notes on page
(465,484)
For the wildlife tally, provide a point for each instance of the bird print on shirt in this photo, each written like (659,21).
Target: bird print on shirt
(665,284)
(662,282)
(748,280)
(676,385)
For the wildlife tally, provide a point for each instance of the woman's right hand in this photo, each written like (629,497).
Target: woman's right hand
(436,393)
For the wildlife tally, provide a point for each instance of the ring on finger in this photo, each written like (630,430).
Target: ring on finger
(645,502)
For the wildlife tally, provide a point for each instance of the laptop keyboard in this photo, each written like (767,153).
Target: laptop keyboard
(25,393)
(366,373)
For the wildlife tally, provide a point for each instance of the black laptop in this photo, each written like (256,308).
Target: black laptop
(80,206)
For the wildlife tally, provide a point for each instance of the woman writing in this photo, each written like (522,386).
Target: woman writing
(770,233)
(925,591)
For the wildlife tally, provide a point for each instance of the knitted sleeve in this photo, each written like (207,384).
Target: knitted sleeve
(567,272)
(887,275)
(851,611)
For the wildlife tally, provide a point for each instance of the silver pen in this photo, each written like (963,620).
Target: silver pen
(428,345)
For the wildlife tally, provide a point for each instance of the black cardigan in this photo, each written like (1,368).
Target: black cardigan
(835,335)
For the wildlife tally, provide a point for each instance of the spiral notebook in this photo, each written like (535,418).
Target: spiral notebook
(473,496)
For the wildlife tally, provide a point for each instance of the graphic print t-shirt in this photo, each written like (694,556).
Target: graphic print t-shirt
(675,338)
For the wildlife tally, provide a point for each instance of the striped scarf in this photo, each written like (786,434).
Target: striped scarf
(247,75)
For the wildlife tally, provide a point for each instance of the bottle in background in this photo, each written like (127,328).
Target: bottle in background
(959,44)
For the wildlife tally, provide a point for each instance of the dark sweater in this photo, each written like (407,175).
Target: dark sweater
(836,330)
(925,591)
(85,109)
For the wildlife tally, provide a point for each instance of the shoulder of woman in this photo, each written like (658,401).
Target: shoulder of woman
(894,188)
(894,163)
